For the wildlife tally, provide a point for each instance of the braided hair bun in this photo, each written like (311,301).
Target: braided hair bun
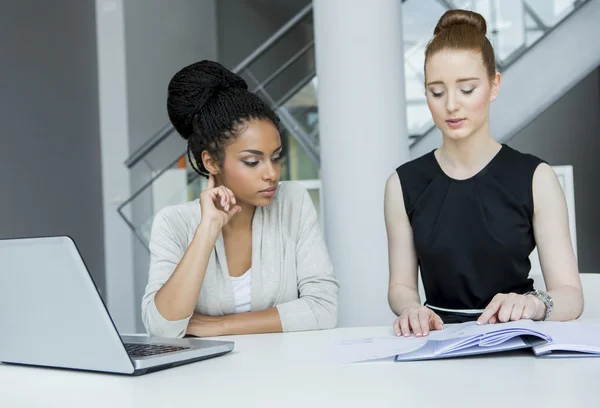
(192,87)
(207,104)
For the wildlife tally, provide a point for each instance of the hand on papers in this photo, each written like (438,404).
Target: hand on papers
(506,307)
(420,320)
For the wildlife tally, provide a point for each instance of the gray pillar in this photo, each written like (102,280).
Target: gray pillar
(363,136)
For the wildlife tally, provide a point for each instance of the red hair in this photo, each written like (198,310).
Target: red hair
(463,30)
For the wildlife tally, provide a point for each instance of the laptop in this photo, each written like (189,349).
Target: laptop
(52,315)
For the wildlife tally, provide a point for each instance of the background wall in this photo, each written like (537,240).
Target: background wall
(49,140)
(161,37)
(567,133)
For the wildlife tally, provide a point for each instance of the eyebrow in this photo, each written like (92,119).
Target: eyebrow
(259,153)
(457,81)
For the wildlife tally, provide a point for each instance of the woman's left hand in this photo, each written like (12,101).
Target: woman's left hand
(506,307)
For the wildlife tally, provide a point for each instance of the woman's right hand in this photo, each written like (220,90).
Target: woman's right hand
(419,319)
(217,204)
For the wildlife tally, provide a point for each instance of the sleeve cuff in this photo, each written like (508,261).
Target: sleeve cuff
(296,316)
(158,326)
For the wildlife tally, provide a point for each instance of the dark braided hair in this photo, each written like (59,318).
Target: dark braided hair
(208,105)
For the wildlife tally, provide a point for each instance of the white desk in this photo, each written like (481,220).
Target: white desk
(286,370)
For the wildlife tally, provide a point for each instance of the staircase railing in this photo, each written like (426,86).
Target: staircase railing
(241,68)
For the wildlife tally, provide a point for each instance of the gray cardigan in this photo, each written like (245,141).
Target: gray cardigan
(291,268)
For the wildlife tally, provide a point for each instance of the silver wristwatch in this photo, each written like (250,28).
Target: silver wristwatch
(545,298)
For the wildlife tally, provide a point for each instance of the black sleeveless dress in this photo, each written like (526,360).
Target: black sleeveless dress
(472,237)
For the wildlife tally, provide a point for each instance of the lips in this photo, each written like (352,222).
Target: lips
(268,193)
(268,190)
(455,123)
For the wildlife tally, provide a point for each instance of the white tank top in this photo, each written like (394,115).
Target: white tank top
(242,291)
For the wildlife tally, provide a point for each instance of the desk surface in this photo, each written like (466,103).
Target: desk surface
(287,370)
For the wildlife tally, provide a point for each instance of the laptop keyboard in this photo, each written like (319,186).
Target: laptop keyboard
(147,350)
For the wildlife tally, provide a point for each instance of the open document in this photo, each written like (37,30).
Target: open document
(544,338)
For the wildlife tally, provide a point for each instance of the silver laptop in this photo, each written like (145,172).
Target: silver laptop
(52,315)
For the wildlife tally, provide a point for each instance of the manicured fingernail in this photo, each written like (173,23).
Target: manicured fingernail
(418,334)
(406,334)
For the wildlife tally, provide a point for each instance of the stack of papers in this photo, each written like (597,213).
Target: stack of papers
(546,339)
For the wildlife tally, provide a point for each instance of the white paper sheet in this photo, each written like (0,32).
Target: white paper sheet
(371,348)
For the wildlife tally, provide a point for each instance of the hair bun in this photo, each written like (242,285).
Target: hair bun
(461,17)
(192,87)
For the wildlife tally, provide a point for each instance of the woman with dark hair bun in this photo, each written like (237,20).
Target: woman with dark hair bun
(247,256)
(470,213)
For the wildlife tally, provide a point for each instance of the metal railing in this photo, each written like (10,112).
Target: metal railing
(242,67)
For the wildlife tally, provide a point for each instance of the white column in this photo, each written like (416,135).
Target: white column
(114,143)
(363,136)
